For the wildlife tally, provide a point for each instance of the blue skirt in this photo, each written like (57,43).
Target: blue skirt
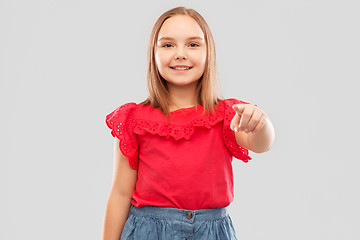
(163,223)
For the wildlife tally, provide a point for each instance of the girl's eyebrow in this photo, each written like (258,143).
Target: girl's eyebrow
(190,38)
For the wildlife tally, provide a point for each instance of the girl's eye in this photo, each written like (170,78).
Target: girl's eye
(194,44)
(167,45)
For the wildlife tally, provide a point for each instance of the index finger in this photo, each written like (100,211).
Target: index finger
(239,108)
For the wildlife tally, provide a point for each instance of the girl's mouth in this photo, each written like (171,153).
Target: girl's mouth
(181,69)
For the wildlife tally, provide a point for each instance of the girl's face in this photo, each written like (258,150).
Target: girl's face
(180,51)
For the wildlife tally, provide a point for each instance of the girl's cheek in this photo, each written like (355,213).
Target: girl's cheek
(199,59)
(160,60)
(163,56)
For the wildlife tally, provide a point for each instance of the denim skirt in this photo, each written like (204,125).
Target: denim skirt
(163,223)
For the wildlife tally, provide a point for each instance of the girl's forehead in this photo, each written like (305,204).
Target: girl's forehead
(180,26)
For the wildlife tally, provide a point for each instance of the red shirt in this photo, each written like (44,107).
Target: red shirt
(185,163)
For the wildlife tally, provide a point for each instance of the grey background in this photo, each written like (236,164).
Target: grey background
(65,64)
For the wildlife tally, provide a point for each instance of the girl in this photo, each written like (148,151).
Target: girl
(173,152)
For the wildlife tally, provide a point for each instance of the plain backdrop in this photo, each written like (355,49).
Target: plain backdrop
(64,65)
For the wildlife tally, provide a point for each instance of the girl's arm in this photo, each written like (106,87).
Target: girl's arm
(119,200)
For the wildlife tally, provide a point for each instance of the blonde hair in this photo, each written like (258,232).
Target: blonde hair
(207,87)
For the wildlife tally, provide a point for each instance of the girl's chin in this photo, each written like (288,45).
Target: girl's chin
(177,82)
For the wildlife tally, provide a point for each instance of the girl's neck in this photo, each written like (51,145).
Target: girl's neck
(183,96)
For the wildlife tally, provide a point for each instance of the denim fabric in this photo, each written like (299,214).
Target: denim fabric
(162,223)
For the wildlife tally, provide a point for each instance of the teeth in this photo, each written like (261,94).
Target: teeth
(181,68)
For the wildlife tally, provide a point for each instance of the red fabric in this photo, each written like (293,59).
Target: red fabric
(185,163)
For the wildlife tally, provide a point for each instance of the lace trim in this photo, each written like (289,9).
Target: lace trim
(120,127)
(124,126)
(229,135)
(184,131)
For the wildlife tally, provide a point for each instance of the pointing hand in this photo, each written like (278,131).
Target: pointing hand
(248,118)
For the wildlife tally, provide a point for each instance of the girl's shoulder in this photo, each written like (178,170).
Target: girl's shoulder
(232,101)
(121,113)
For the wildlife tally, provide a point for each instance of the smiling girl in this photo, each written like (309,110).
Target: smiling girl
(173,152)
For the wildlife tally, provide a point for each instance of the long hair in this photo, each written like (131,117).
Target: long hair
(207,86)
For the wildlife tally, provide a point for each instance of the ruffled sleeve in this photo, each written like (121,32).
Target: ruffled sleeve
(120,121)
(229,135)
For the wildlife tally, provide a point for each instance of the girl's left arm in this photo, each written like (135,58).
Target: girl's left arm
(253,129)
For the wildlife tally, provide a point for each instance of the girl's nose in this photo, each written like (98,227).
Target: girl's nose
(180,56)
(180,53)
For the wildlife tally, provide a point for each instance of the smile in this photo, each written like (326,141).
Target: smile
(181,68)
